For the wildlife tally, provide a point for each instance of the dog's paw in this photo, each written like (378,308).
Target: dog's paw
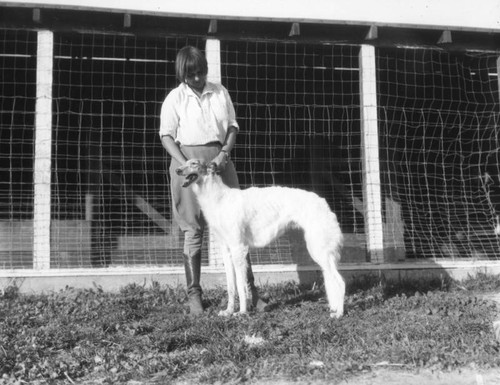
(225,313)
(240,314)
(336,314)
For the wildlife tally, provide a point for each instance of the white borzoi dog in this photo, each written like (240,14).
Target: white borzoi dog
(240,219)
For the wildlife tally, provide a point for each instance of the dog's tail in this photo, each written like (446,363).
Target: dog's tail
(322,231)
(335,239)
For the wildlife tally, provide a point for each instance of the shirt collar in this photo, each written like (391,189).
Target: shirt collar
(209,89)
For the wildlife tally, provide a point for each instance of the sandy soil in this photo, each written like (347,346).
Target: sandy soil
(462,377)
(396,377)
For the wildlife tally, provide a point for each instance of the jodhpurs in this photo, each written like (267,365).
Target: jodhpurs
(186,211)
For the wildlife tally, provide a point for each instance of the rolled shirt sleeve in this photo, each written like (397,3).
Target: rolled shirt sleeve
(231,114)
(169,116)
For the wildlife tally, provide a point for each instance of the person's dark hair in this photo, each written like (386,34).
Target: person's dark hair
(190,60)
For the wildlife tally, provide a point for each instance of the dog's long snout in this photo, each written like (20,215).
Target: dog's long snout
(178,171)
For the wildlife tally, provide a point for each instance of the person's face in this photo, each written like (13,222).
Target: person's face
(196,80)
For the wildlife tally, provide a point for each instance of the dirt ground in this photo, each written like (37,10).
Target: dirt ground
(396,377)
(387,376)
(462,377)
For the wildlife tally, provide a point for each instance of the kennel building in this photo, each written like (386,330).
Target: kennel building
(392,117)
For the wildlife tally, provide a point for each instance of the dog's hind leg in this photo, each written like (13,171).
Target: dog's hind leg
(335,288)
(334,284)
(230,280)
(326,255)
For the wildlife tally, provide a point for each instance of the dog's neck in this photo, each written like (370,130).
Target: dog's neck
(210,187)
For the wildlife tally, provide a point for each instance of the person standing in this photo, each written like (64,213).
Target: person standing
(198,120)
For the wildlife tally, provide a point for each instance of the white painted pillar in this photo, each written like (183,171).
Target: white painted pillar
(370,155)
(212,53)
(43,151)
(497,227)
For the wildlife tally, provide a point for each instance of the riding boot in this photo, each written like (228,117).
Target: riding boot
(192,266)
(256,302)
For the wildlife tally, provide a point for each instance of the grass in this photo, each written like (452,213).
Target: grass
(144,334)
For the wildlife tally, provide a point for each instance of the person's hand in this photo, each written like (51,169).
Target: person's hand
(221,161)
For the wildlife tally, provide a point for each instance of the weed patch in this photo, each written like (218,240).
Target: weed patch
(143,333)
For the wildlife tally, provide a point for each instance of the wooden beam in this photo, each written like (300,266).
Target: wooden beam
(212,53)
(498,76)
(370,155)
(445,38)
(295,30)
(37,15)
(141,204)
(372,33)
(127,20)
(212,27)
(152,213)
(43,151)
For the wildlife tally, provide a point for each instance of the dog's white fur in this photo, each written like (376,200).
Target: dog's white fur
(254,217)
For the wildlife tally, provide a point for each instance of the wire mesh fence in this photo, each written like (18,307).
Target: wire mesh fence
(439,123)
(298,106)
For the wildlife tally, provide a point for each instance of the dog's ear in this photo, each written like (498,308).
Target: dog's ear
(212,168)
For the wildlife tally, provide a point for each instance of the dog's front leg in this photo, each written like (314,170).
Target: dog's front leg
(241,269)
(231,283)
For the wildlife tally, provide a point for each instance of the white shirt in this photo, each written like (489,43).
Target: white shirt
(191,120)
